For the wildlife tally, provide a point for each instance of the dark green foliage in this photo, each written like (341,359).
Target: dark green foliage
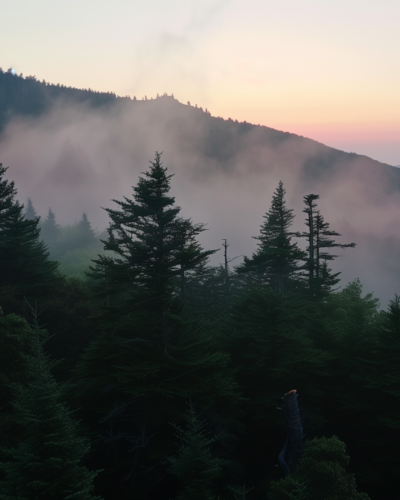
(277,260)
(347,326)
(7,193)
(138,386)
(153,247)
(388,353)
(50,232)
(155,325)
(192,257)
(273,354)
(24,262)
(320,475)
(46,463)
(267,339)
(194,464)
(321,280)
(381,378)
(69,311)
(15,344)
(150,357)
(30,212)
(208,293)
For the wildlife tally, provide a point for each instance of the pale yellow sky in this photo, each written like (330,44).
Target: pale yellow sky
(325,69)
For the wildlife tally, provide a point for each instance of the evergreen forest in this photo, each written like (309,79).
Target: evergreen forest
(133,368)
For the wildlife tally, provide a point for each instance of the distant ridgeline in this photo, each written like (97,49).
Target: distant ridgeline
(221,139)
(30,97)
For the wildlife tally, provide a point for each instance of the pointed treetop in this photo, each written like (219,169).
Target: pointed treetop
(7,191)
(30,212)
(277,260)
(86,234)
(50,230)
(51,218)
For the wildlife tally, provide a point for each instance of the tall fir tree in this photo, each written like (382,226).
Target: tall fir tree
(194,464)
(277,259)
(24,259)
(15,345)
(50,232)
(30,212)
(86,235)
(46,463)
(7,193)
(154,249)
(150,355)
(321,279)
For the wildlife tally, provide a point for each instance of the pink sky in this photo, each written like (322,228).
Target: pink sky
(327,70)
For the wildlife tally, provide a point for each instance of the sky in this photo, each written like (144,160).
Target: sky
(328,70)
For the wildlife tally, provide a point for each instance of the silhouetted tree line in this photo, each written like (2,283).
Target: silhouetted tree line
(175,368)
(30,97)
(77,243)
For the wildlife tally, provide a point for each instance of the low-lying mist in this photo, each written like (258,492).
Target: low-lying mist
(77,159)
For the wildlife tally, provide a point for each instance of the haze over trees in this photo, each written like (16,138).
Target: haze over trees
(160,373)
(175,367)
(109,143)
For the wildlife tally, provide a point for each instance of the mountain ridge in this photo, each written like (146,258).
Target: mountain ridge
(29,97)
(76,150)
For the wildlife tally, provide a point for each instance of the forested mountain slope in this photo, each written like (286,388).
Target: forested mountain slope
(71,149)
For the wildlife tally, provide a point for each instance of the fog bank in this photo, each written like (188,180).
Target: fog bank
(76,159)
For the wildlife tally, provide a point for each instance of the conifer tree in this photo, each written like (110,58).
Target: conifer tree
(267,340)
(154,248)
(7,193)
(192,257)
(87,236)
(46,463)
(15,345)
(276,261)
(194,464)
(30,212)
(383,385)
(150,355)
(388,350)
(320,475)
(24,263)
(50,231)
(319,237)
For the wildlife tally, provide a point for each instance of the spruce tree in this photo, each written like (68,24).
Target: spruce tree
(194,464)
(30,212)
(7,193)
(276,261)
(24,262)
(154,248)
(15,345)
(150,356)
(321,279)
(50,232)
(87,236)
(46,463)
